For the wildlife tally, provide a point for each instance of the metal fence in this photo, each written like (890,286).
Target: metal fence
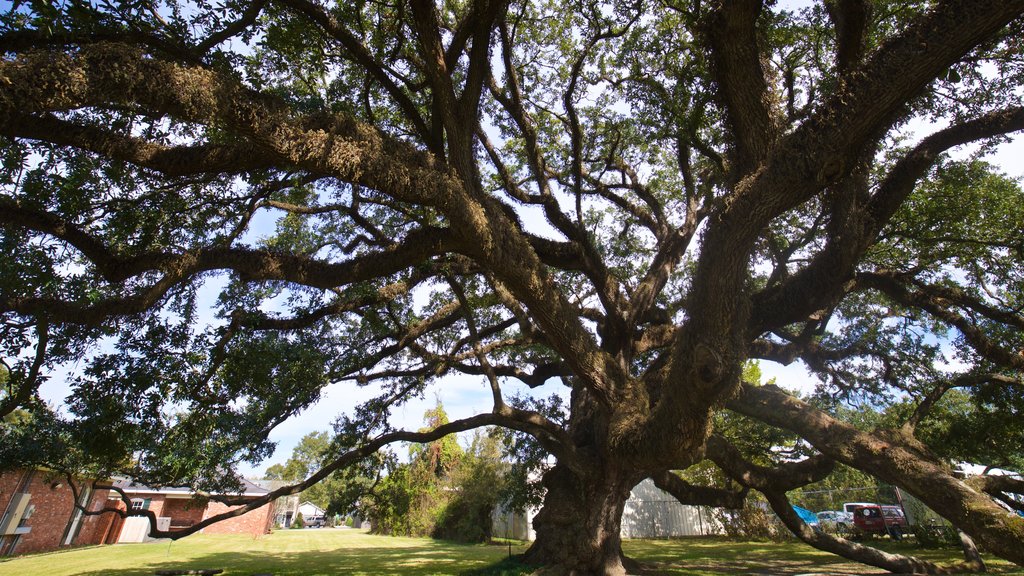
(652,513)
(649,513)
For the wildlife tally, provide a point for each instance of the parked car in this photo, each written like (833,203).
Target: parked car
(836,520)
(875,519)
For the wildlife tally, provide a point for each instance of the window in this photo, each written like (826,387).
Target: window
(138,504)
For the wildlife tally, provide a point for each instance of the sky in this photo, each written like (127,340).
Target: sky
(463,395)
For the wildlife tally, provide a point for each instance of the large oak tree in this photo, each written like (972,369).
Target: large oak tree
(627,198)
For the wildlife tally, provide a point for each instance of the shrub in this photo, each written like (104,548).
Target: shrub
(753,522)
(298,521)
(467,515)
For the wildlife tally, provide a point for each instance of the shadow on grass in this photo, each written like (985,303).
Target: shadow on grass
(506,567)
(413,561)
(703,557)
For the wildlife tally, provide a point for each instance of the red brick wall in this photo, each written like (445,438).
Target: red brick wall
(256,522)
(185,512)
(9,482)
(54,508)
(182,511)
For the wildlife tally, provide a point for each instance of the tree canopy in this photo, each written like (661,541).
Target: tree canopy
(214,210)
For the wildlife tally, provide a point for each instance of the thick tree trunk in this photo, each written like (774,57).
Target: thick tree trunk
(578,527)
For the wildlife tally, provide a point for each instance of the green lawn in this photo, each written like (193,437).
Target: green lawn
(327,551)
(707,556)
(283,553)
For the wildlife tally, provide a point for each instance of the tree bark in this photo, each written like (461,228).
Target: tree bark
(859,553)
(578,526)
(897,459)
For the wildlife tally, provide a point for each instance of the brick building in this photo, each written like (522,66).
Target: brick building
(37,513)
(177,508)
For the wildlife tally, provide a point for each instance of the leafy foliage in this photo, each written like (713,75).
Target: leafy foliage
(443,491)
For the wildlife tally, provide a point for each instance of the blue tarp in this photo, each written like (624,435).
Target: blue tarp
(806,515)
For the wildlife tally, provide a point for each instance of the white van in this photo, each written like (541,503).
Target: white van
(849,507)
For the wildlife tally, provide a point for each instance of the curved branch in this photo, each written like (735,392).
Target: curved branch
(117,74)
(364,58)
(895,458)
(891,284)
(775,482)
(692,495)
(258,320)
(821,282)
(248,17)
(30,384)
(783,478)
(418,246)
(854,551)
(172,161)
(32,39)
(926,404)
(529,424)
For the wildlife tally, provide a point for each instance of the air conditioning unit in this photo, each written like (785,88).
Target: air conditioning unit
(163,523)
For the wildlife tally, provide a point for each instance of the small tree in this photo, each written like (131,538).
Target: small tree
(477,485)
(298,521)
(443,492)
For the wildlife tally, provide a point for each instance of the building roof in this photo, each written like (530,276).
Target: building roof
(320,511)
(131,487)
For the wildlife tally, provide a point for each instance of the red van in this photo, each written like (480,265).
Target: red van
(875,519)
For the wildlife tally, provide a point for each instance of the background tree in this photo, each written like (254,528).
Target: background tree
(443,491)
(625,201)
(311,453)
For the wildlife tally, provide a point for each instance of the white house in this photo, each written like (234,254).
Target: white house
(312,515)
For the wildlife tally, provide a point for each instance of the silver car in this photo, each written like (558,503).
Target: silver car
(835,520)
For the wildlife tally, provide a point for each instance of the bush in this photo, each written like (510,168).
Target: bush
(753,522)
(298,521)
(936,536)
(467,516)
(452,500)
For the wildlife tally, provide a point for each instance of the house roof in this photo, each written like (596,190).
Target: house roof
(319,510)
(131,487)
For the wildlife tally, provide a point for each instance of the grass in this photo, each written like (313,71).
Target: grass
(322,552)
(283,553)
(709,556)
